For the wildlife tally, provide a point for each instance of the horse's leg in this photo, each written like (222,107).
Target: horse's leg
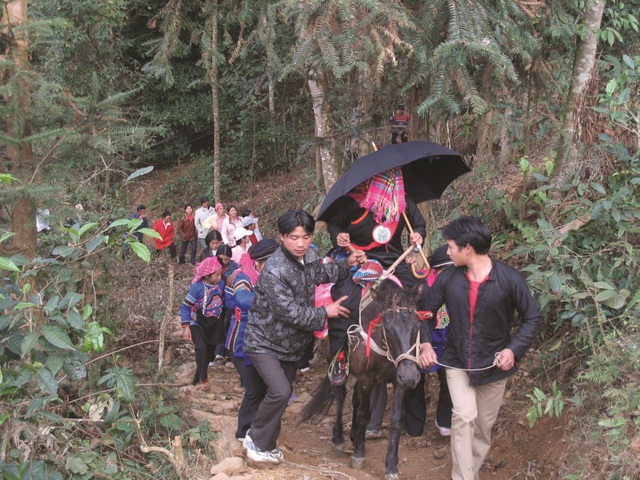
(391,463)
(361,417)
(340,392)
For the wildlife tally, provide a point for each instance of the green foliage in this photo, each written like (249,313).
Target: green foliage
(619,18)
(544,404)
(49,332)
(481,45)
(575,241)
(619,102)
(614,402)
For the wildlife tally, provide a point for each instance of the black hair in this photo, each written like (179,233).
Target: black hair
(232,206)
(247,212)
(204,199)
(212,235)
(165,213)
(140,207)
(293,219)
(469,231)
(187,205)
(224,249)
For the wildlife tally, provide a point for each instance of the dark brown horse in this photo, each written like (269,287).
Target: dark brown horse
(383,349)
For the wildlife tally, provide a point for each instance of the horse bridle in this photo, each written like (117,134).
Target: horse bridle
(387,352)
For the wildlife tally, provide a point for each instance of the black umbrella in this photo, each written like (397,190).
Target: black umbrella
(427,169)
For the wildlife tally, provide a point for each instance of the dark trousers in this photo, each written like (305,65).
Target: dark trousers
(171,248)
(307,356)
(204,353)
(403,137)
(254,391)
(183,251)
(415,406)
(277,376)
(378,402)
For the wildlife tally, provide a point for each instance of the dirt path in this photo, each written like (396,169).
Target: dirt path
(517,451)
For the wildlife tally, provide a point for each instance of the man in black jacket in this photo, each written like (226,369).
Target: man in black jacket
(480,353)
(282,319)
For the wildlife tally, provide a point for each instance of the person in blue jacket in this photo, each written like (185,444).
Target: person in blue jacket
(200,316)
(238,299)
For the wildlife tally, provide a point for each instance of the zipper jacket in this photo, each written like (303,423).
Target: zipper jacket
(283,316)
(472,342)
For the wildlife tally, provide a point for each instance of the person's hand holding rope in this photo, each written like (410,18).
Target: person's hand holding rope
(357,257)
(428,357)
(505,359)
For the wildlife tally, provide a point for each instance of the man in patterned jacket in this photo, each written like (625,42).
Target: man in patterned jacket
(282,320)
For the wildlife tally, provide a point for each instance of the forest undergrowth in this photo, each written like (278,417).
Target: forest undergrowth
(82,395)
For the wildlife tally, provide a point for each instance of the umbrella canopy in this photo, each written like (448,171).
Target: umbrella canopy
(427,169)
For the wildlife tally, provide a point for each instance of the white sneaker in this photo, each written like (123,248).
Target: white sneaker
(444,431)
(371,434)
(254,453)
(276,452)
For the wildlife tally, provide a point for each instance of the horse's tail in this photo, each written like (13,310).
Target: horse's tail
(320,402)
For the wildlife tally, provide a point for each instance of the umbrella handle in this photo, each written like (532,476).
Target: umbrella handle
(418,275)
(424,257)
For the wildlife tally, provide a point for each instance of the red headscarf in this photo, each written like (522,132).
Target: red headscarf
(206,267)
(383,195)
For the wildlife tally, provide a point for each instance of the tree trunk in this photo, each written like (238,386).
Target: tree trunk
(484,150)
(215,105)
(20,155)
(506,135)
(324,129)
(583,63)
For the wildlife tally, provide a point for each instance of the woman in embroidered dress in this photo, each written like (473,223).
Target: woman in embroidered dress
(200,316)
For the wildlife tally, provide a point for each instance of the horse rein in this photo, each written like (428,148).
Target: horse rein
(385,352)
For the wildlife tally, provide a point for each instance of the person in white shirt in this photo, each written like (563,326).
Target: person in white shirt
(202,213)
(241,236)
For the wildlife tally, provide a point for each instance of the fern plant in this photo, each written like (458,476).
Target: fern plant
(544,404)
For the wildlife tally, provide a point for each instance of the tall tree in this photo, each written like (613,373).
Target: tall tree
(583,63)
(343,46)
(18,100)
(469,58)
(211,62)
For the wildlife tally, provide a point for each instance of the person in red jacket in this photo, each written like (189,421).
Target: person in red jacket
(188,234)
(164,227)
(399,122)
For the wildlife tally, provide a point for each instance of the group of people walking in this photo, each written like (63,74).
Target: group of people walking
(271,294)
(207,227)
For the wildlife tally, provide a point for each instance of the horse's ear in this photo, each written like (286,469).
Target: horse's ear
(415,291)
(375,293)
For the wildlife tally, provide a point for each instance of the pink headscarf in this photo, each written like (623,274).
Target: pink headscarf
(206,267)
(248,267)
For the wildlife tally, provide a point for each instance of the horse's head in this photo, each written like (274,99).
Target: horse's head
(401,327)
